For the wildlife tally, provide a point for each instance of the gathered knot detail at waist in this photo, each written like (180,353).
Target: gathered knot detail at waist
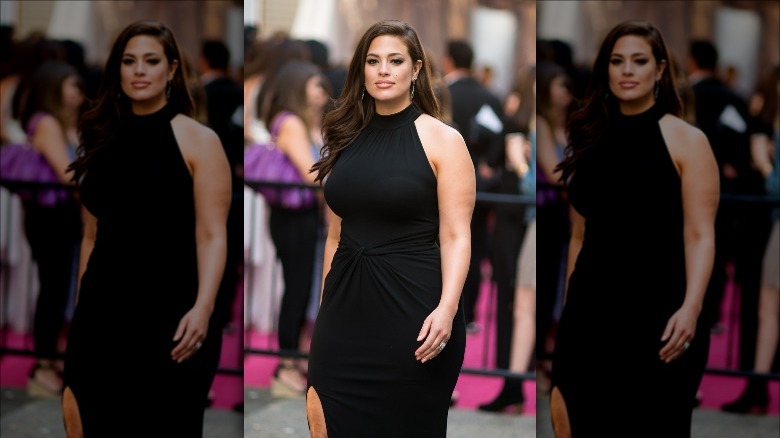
(412,244)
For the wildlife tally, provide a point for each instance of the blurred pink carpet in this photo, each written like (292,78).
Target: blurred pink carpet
(227,389)
(475,390)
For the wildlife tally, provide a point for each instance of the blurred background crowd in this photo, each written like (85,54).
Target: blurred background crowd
(726,58)
(53,53)
(482,55)
(507,75)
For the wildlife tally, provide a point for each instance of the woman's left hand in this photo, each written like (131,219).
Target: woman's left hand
(436,332)
(192,330)
(679,331)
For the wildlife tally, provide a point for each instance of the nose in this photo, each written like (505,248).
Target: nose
(139,69)
(383,68)
(628,68)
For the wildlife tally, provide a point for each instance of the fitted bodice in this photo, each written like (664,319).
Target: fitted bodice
(382,185)
(140,190)
(629,191)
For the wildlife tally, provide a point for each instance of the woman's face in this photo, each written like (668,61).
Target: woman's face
(72,96)
(560,96)
(389,72)
(633,72)
(145,73)
(316,96)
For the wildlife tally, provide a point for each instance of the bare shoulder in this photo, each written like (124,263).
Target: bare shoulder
(680,132)
(46,132)
(199,144)
(684,140)
(47,121)
(437,137)
(193,133)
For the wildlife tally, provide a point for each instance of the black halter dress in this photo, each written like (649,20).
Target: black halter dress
(141,279)
(628,280)
(384,281)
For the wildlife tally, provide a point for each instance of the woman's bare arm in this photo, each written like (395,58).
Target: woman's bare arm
(49,140)
(456,182)
(295,142)
(212,190)
(331,244)
(87,244)
(545,150)
(700,181)
(575,245)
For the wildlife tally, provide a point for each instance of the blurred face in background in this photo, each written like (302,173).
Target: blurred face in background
(72,96)
(316,96)
(145,73)
(560,96)
(389,72)
(633,72)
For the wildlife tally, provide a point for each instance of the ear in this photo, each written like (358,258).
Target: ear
(661,68)
(416,69)
(172,69)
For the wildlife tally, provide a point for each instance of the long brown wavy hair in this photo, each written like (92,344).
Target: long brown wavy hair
(587,125)
(353,109)
(99,125)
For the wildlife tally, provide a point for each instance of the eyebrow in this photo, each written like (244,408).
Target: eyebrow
(633,54)
(145,54)
(389,54)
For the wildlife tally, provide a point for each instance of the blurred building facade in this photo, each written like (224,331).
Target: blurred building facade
(746,33)
(95,24)
(502,32)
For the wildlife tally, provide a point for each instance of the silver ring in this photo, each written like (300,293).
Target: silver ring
(442,345)
(198,345)
(686,345)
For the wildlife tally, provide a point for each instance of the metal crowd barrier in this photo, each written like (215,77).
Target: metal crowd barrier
(509,199)
(5,216)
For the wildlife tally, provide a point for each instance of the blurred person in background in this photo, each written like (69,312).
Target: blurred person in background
(521,159)
(74,55)
(442,92)
(15,77)
(630,315)
(485,142)
(765,148)
(389,339)
(267,57)
(295,95)
(560,53)
(319,55)
(554,101)
(52,220)
(6,44)
(156,187)
(741,229)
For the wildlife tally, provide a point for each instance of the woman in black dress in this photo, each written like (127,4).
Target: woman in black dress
(156,186)
(643,184)
(389,338)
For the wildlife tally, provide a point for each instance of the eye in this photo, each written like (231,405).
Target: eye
(127,61)
(371,61)
(615,61)
(153,61)
(397,61)
(641,61)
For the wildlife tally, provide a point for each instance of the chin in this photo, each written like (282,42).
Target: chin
(632,97)
(144,97)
